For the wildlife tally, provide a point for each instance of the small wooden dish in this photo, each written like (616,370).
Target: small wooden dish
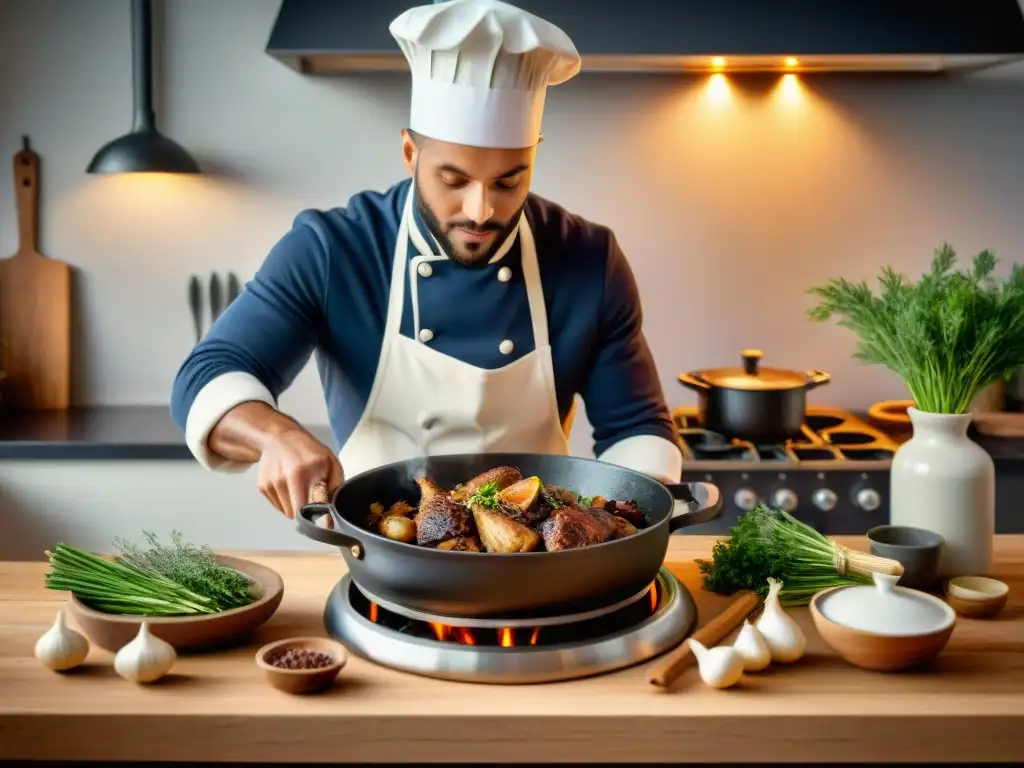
(188,633)
(976,597)
(298,681)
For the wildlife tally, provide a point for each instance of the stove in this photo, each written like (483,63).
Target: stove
(835,477)
(517,649)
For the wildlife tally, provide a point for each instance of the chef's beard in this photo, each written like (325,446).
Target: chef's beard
(476,258)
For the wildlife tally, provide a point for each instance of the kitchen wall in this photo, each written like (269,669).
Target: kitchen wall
(729,203)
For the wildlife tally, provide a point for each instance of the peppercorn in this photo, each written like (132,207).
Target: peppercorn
(299,658)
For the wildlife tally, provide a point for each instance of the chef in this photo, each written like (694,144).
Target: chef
(455,312)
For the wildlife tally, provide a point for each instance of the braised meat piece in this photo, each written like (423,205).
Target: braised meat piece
(440,517)
(620,526)
(628,510)
(502,477)
(562,496)
(571,527)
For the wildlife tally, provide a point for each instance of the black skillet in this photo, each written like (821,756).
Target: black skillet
(481,584)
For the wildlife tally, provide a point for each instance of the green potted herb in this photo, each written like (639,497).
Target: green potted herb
(949,335)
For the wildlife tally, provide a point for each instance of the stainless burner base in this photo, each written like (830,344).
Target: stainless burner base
(664,629)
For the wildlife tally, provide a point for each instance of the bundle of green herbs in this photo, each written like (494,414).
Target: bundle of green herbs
(948,336)
(162,580)
(768,542)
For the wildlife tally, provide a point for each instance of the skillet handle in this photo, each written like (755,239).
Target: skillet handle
(702,502)
(306,523)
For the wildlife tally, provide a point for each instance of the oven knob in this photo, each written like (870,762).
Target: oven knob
(868,499)
(825,499)
(745,499)
(785,500)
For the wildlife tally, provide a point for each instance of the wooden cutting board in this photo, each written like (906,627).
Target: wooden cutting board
(35,308)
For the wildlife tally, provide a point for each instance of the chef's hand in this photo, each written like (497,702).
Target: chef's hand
(291,463)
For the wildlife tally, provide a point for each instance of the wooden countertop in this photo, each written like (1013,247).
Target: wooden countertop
(217,708)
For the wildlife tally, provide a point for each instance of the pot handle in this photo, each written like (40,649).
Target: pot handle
(702,502)
(816,378)
(306,522)
(693,382)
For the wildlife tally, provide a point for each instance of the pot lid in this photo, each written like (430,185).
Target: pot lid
(885,609)
(752,376)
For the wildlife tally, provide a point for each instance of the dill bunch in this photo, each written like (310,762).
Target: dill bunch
(175,580)
(948,336)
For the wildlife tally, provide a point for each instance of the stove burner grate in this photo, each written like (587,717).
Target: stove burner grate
(655,620)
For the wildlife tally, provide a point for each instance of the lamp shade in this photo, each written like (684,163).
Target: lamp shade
(144,148)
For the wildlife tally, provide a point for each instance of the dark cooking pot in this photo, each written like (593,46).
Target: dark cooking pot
(762,405)
(479,584)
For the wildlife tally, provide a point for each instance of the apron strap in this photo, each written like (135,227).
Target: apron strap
(534,290)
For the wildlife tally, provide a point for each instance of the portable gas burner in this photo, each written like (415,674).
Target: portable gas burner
(513,650)
(835,477)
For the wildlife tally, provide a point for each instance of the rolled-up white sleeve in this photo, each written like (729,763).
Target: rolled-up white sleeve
(214,400)
(651,455)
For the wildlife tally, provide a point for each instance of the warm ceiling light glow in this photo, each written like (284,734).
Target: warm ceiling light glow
(790,91)
(718,62)
(718,91)
(791,62)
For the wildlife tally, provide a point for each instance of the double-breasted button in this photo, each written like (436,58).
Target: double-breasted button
(506,347)
(504,274)
(426,335)
(424,269)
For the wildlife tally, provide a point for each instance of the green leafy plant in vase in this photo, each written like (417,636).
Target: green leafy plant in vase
(949,335)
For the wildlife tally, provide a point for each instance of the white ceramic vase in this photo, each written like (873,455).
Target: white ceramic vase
(943,481)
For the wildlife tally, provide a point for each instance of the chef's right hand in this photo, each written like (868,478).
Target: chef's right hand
(291,463)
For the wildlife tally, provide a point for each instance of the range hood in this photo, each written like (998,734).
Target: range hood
(321,37)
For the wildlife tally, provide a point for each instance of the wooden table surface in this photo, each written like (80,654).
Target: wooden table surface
(968,706)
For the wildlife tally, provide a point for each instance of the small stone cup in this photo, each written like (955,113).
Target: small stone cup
(916,549)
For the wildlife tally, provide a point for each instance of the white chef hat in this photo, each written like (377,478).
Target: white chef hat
(480,70)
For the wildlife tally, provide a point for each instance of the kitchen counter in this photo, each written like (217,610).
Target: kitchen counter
(217,708)
(132,432)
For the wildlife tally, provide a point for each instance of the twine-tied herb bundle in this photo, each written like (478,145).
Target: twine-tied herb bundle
(768,542)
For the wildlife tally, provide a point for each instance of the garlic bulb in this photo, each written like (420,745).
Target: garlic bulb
(720,666)
(752,648)
(785,639)
(61,647)
(146,658)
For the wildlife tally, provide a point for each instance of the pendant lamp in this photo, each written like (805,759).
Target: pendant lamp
(144,149)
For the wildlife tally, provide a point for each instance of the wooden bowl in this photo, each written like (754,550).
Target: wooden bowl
(188,633)
(976,597)
(877,651)
(299,681)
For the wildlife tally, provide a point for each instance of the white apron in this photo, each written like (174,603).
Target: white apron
(425,403)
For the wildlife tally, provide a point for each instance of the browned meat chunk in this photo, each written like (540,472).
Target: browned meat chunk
(442,518)
(502,534)
(572,527)
(619,525)
(439,516)
(562,496)
(502,477)
(628,510)
(462,544)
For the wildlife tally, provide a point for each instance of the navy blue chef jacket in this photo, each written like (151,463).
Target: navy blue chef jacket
(324,287)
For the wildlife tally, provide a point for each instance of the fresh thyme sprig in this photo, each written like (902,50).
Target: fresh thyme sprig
(948,336)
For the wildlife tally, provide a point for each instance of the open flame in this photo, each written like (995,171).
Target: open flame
(507,636)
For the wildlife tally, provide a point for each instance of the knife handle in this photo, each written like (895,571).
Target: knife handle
(668,670)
